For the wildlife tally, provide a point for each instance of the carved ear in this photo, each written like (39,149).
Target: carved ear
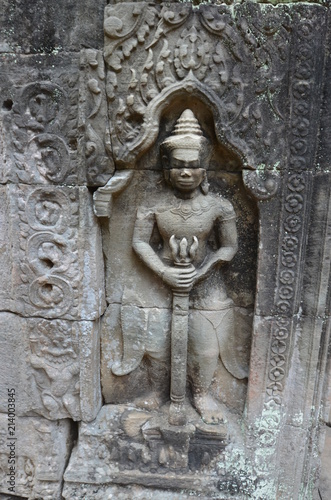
(165,161)
(204,184)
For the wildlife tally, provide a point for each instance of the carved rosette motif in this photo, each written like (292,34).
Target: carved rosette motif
(158,53)
(49,260)
(296,196)
(294,200)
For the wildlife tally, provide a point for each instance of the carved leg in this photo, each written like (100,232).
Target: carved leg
(157,359)
(159,372)
(203,352)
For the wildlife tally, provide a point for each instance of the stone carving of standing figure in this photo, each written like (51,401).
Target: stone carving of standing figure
(185,218)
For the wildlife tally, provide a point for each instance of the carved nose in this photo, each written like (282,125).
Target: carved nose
(185,173)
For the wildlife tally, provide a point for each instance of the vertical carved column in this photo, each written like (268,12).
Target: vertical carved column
(285,410)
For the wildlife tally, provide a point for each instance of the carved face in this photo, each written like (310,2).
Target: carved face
(185,172)
(54,341)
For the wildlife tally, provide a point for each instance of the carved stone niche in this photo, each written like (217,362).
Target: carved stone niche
(174,357)
(215,338)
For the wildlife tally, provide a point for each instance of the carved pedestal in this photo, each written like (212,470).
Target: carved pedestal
(127,445)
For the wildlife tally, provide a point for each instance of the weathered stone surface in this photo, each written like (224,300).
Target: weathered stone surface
(85,110)
(223,74)
(94,144)
(53,119)
(166,456)
(55,269)
(41,450)
(45,27)
(325,482)
(83,491)
(39,119)
(53,366)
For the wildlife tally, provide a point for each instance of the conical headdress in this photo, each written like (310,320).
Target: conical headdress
(187,134)
(187,124)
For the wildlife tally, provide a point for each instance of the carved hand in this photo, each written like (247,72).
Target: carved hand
(180,277)
(204,271)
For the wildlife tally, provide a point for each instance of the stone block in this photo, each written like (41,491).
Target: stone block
(39,120)
(126,445)
(324,488)
(53,366)
(50,28)
(38,452)
(84,491)
(53,121)
(318,256)
(57,269)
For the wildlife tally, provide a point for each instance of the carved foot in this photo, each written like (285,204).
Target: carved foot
(71,404)
(50,404)
(208,408)
(150,403)
(177,415)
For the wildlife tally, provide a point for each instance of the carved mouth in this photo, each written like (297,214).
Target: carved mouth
(60,352)
(65,358)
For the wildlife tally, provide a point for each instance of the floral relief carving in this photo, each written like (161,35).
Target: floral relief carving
(294,203)
(212,52)
(93,123)
(262,187)
(40,124)
(49,258)
(192,53)
(292,241)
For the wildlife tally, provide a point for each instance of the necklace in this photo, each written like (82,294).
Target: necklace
(186,209)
